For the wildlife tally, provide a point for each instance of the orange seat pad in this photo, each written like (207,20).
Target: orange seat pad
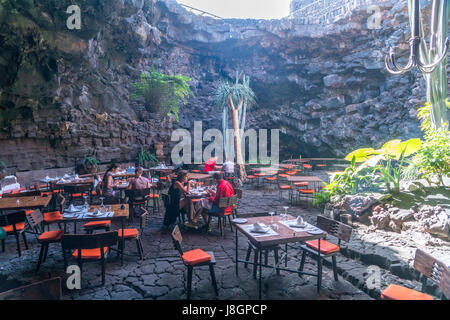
(325,246)
(129,233)
(396,292)
(306,191)
(19,226)
(285,187)
(94,254)
(49,236)
(196,256)
(52,216)
(95,224)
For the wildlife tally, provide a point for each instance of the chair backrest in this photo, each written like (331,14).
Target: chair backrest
(334,228)
(82,188)
(138,194)
(43,290)
(89,241)
(433,269)
(226,202)
(12,218)
(239,193)
(177,239)
(35,218)
(143,219)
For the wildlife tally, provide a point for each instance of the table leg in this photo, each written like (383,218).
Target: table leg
(260,273)
(237,268)
(122,244)
(319,268)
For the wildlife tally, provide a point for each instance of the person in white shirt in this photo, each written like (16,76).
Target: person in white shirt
(228,168)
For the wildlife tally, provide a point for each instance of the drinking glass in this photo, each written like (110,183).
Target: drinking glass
(102,206)
(285,212)
(272,214)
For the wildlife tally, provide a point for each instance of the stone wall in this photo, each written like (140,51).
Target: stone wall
(66,93)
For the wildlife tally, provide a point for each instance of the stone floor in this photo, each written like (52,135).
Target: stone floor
(163,276)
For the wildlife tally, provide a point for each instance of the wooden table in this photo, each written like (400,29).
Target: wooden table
(285,235)
(199,176)
(24,203)
(119,214)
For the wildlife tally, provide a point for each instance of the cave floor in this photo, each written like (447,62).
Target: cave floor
(162,275)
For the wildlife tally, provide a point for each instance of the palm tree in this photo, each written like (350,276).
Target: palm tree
(236,98)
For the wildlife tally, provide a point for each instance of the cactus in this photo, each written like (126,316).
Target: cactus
(431,60)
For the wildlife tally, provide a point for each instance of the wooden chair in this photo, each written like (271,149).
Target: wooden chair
(134,234)
(89,248)
(77,192)
(234,210)
(43,290)
(137,199)
(14,224)
(222,216)
(432,269)
(194,258)
(327,249)
(35,220)
(55,216)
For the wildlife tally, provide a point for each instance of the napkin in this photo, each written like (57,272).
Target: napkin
(258,228)
(299,221)
(71,208)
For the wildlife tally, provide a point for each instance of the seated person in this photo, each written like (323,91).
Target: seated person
(228,168)
(178,201)
(108,183)
(139,182)
(211,204)
(210,165)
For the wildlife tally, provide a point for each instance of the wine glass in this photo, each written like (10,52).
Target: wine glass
(285,212)
(272,214)
(102,206)
(86,205)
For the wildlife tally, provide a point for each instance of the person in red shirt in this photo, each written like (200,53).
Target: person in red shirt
(224,190)
(210,165)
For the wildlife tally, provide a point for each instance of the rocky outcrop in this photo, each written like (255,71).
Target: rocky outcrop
(325,86)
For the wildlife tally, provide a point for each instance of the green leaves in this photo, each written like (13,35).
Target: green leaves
(239,92)
(163,93)
(145,156)
(90,161)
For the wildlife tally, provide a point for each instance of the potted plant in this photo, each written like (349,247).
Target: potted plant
(88,165)
(146,159)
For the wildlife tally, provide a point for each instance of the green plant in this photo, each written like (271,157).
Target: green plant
(433,158)
(388,161)
(162,93)
(146,158)
(90,161)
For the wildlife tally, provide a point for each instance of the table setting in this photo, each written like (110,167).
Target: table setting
(300,225)
(258,230)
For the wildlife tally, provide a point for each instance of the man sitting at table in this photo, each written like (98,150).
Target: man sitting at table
(210,165)
(211,204)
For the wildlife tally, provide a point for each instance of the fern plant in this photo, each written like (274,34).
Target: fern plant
(146,158)
(162,93)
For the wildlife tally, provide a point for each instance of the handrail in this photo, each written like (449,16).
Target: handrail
(201,11)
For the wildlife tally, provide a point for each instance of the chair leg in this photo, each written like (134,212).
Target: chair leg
(40,257)
(139,248)
(189,284)
(266,257)
(333,258)
(231,225)
(249,252)
(46,252)
(302,263)
(319,280)
(103,272)
(18,244)
(275,252)
(255,261)
(213,278)
(25,240)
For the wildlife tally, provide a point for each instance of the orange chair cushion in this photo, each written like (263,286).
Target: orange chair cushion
(195,200)
(129,233)
(196,256)
(260,174)
(196,171)
(251,177)
(301,184)
(306,191)
(94,254)
(307,166)
(321,165)
(28,212)
(98,224)
(77,195)
(395,292)
(163,178)
(52,216)
(285,187)
(154,196)
(271,178)
(19,226)
(50,236)
(282,175)
(291,172)
(325,246)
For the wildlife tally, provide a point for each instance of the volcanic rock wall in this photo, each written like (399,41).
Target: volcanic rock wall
(66,93)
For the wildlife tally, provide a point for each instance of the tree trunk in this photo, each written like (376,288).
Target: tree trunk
(237,142)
